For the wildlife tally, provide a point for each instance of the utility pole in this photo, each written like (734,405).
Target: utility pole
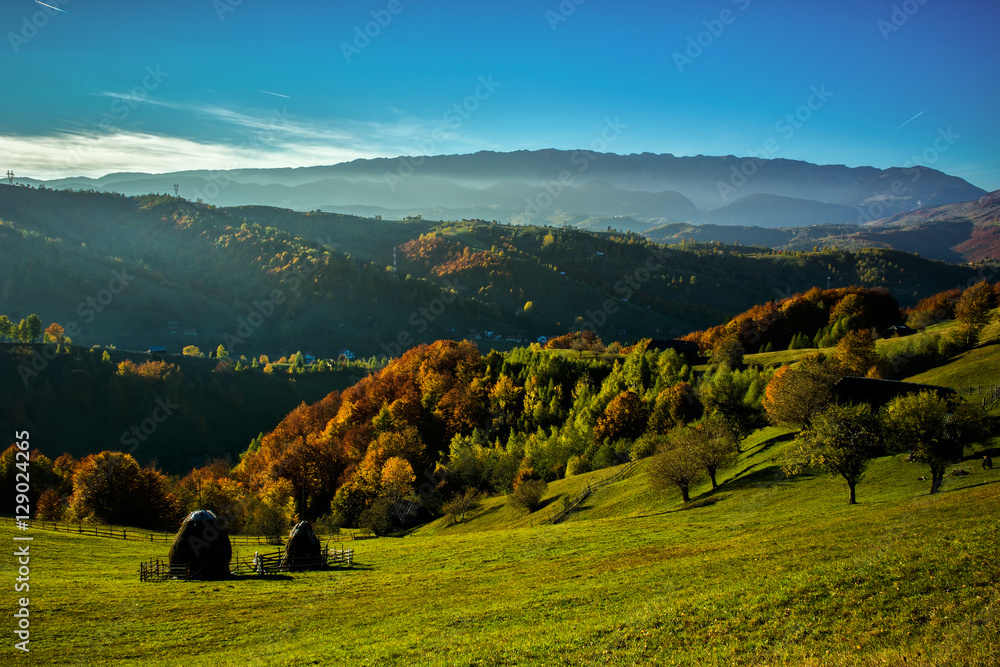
(10,176)
(176,189)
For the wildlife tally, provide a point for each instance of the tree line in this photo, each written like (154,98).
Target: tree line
(443,424)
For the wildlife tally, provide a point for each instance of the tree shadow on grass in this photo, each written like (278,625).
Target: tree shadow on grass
(548,502)
(766,476)
(768,444)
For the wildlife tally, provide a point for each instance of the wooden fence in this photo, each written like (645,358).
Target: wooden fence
(126,533)
(161,570)
(990,393)
(264,564)
(562,512)
(158,569)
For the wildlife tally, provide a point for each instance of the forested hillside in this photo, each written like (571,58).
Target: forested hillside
(445,423)
(155,270)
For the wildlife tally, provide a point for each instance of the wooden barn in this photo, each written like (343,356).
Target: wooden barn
(878,393)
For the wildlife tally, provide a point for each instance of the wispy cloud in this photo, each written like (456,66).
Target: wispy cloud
(63,155)
(259,138)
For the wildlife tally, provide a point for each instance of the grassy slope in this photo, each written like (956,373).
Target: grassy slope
(776,571)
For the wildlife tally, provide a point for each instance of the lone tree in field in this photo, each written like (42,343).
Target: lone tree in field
(714,446)
(973,310)
(933,429)
(462,504)
(842,439)
(676,463)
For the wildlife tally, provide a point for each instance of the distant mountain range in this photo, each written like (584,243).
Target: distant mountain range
(568,188)
(964,232)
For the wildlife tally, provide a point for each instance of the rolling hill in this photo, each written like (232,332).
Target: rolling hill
(330,283)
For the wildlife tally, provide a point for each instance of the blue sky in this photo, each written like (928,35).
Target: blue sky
(161,86)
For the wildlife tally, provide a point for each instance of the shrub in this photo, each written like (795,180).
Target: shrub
(378,518)
(644,446)
(577,465)
(328,524)
(528,495)
(604,458)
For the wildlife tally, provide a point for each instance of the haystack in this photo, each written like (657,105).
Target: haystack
(202,544)
(303,549)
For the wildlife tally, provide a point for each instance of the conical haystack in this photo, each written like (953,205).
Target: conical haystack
(303,549)
(202,543)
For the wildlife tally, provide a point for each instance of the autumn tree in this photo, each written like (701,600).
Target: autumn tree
(798,392)
(727,350)
(973,310)
(857,356)
(674,406)
(842,439)
(56,334)
(397,478)
(271,509)
(625,417)
(110,487)
(49,506)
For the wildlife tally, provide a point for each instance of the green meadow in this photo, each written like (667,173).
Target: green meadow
(766,570)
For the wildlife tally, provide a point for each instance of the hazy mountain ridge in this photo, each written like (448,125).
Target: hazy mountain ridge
(543,185)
